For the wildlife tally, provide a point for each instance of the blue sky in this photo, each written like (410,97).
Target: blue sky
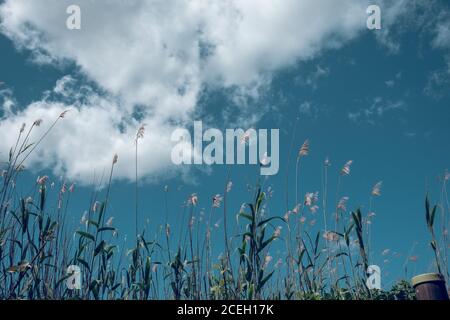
(379,98)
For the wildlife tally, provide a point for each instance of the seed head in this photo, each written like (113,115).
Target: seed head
(217,200)
(42,180)
(345,171)
(140,132)
(193,199)
(304,149)
(376,190)
(342,204)
(63,114)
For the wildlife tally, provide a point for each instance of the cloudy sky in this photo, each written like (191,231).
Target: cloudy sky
(378,97)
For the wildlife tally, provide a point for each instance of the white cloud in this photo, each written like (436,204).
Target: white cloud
(84,142)
(158,55)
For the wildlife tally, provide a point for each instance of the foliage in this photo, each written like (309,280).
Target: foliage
(37,245)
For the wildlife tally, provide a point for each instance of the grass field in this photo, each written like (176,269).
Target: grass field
(36,245)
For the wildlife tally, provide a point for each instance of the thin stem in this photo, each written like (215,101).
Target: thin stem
(136,189)
(288,163)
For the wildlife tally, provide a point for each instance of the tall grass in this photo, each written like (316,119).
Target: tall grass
(37,243)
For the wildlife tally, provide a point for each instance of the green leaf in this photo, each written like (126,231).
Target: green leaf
(433,214)
(42,202)
(27,147)
(147,271)
(63,279)
(341,254)
(429,214)
(266,278)
(84,263)
(246,216)
(269,219)
(99,248)
(106,229)
(110,248)
(433,244)
(265,243)
(93,287)
(316,243)
(101,212)
(94,223)
(86,235)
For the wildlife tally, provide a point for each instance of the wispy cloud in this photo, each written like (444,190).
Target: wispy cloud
(410,134)
(391,82)
(442,32)
(312,79)
(438,83)
(377,109)
(308,109)
(7,101)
